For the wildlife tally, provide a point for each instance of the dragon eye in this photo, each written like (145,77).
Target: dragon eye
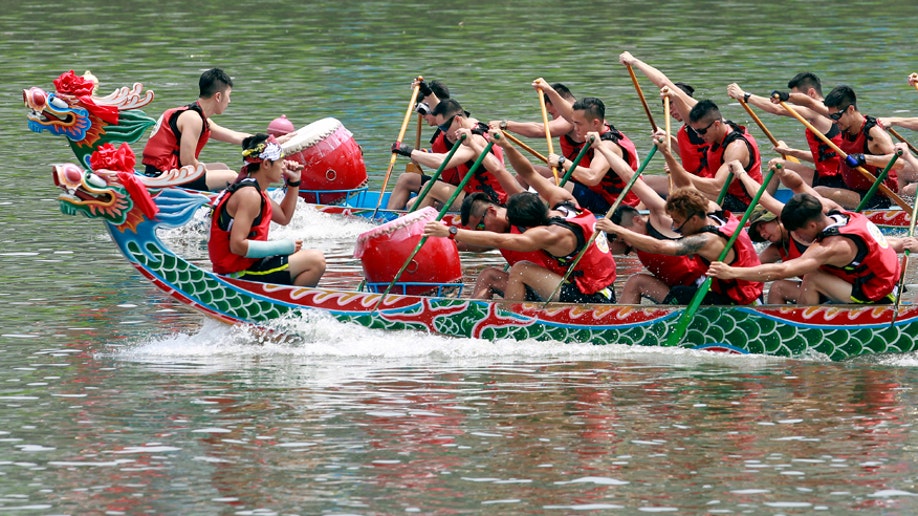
(58,103)
(96,180)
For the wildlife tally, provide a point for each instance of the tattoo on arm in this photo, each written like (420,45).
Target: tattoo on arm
(690,245)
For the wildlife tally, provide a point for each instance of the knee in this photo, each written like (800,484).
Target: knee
(312,259)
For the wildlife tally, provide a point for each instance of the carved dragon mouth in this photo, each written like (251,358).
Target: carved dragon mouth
(36,100)
(77,186)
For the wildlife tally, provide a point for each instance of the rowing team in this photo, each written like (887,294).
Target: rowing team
(562,252)
(557,249)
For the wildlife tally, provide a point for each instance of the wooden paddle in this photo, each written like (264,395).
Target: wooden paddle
(440,215)
(577,160)
(525,147)
(679,331)
(901,139)
(412,166)
(905,255)
(771,138)
(608,215)
(880,178)
(640,93)
(551,148)
(867,175)
(667,121)
(430,182)
(401,134)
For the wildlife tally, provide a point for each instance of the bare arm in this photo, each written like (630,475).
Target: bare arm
(557,126)
(283,213)
(682,102)
(706,245)
(565,107)
(191,125)
(243,207)
(651,199)
(533,239)
(881,149)
(898,121)
(546,188)
(222,134)
(834,251)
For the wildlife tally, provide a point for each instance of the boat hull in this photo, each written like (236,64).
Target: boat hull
(837,332)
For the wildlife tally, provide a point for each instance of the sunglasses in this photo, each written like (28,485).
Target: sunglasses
(838,114)
(446,125)
(703,131)
(481,222)
(684,222)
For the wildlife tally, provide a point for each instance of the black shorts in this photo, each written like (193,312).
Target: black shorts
(530,294)
(571,294)
(273,269)
(199,184)
(835,181)
(683,295)
(590,200)
(879,201)
(733,204)
(857,294)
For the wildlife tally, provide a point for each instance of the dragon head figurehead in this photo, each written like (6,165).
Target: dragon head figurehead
(88,121)
(110,190)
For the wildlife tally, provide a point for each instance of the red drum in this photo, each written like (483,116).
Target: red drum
(384,250)
(332,158)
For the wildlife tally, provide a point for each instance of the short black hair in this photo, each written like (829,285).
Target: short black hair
(799,210)
(473,203)
(839,95)
(594,108)
(447,108)
(526,209)
(705,110)
(562,90)
(804,81)
(439,89)
(624,213)
(690,91)
(213,81)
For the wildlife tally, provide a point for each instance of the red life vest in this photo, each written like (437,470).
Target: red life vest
(440,145)
(537,257)
(218,247)
(859,143)
(596,270)
(715,158)
(569,148)
(611,185)
(826,159)
(671,270)
(692,150)
(163,148)
(875,268)
(742,292)
(790,249)
(483,180)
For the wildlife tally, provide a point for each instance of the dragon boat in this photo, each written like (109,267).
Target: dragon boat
(134,215)
(334,178)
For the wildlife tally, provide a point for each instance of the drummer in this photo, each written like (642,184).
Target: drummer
(556,235)
(243,213)
(181,133)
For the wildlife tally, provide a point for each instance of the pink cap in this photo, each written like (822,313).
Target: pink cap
(280,126)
